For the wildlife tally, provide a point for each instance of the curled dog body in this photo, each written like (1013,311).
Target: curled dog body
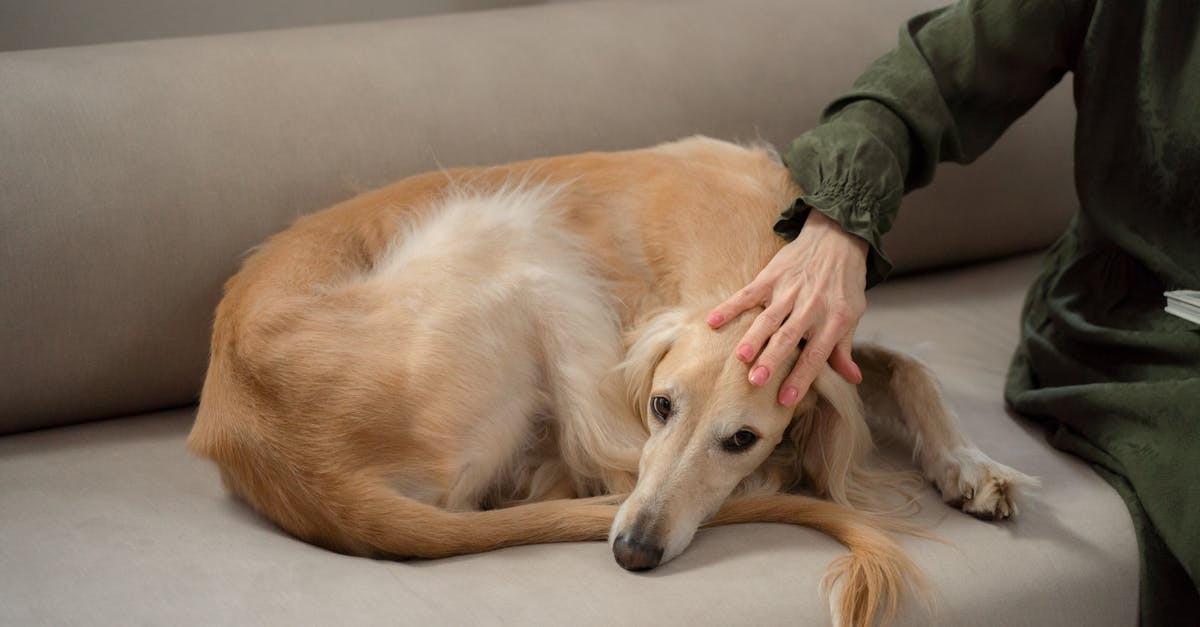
(479,358)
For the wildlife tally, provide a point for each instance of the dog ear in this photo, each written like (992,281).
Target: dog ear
(839,441)
(646,344)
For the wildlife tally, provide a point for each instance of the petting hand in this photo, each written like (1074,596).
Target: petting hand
(814,290)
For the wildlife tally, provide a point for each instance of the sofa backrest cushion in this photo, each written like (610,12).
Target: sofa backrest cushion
(135,176)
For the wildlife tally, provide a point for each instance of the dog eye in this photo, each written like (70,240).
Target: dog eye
(660,406)
(740,441)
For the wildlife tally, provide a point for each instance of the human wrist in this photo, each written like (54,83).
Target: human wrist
(820,222)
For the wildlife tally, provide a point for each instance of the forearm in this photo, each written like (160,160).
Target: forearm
(956,81)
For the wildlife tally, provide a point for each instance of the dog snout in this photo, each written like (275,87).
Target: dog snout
(634,553)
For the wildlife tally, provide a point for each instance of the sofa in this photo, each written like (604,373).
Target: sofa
(135,176)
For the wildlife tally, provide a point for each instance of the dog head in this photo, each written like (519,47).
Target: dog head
(709,429)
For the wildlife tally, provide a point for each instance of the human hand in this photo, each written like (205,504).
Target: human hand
(813,290)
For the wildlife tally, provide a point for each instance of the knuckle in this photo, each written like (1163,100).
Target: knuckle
(788,336)
(754,337)
(798,379)
(841,313)
(749,293)
(770,319)
(768,357)
(774,352)
(814,357)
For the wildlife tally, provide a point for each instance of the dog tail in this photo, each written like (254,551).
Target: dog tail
(863,586)
(366,517)
(360,513)
(375,521)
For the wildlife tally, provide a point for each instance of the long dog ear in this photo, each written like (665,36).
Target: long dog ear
(646,345)
(839,442)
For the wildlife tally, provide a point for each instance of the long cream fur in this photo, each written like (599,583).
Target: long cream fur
(463,361)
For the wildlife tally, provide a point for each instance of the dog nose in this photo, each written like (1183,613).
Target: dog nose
(635,555)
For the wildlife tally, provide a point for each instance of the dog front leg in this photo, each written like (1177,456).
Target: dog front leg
(902,397)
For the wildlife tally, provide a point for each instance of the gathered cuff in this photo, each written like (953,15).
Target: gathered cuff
(851,169)
(854,210)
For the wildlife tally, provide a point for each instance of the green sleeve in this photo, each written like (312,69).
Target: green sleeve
(960,76)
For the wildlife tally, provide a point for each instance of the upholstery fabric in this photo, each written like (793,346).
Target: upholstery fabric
(134,176)
(53,23)
(113,523)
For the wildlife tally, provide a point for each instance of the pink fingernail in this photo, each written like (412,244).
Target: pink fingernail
(745,353)
(789,396)
(715,319)
(759,375)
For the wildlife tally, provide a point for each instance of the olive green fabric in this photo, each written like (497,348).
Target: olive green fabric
(1115,378)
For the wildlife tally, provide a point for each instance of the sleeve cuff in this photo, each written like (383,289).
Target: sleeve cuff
(853,220)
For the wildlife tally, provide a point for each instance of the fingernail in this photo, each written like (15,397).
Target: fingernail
(789,396)
(857,371)
(759,375)
(715,319)
(745,353)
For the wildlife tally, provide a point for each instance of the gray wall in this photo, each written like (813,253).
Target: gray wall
(26,24)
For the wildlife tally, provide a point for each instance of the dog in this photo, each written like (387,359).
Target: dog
(480,358)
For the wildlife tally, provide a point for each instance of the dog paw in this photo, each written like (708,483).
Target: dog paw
(978,485)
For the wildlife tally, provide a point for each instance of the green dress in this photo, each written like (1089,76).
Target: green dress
(1115,378)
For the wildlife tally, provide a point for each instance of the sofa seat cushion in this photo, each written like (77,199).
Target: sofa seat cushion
(114,523)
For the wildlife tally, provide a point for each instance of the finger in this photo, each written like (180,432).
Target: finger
(746,298)
(779,347)
(843,364)
(836,337)
(842,359)
(812,361)
(762,329)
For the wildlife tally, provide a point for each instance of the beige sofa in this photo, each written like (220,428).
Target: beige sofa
(133,177)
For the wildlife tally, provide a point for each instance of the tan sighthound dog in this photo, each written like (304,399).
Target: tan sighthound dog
(481,358)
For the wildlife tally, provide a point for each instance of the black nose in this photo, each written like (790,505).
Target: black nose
(634,554)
